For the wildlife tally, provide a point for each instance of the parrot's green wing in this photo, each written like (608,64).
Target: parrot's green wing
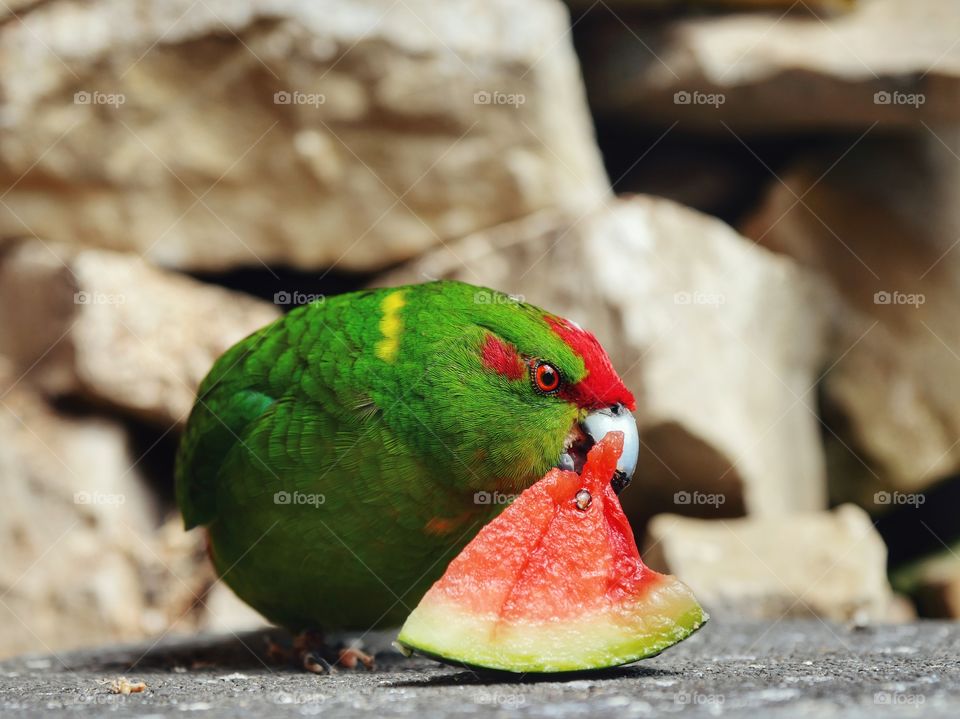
(243,387)
(228,400)
(308,501)
(295,481)
(202,457)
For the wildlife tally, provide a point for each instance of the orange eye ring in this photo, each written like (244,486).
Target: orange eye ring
(546,377)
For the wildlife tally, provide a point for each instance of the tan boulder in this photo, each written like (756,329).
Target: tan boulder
(886,60)
(15,7)
(310,134)
(111,328)
(627,5)
(72,514)
(86,560)
(828,564)
(880,225)
(933,581)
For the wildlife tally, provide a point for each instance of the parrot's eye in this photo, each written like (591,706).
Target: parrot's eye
(546,378)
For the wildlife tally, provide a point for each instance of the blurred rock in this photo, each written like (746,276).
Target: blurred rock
(934,582)
(15,7)
(113,329)
(72,517)
(900,610)
(830,564)
(882,226)
(84,562)
(940,598)
(720,341)
(705,173)
(223,611)
(310,134)
(886,60)
(627,5)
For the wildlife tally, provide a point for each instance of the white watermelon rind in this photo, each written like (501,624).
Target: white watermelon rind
(667,613)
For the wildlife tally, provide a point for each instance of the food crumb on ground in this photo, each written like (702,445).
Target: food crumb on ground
(123,686)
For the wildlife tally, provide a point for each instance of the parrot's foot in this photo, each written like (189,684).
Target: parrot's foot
(277,653)
(311,652)
(314,662)
(349,657)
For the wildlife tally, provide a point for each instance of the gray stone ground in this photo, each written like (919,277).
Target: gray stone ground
(792,668)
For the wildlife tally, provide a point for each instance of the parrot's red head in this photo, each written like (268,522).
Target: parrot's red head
(598,387)
(526,389)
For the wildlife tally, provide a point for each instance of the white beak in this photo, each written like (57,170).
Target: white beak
(616,419)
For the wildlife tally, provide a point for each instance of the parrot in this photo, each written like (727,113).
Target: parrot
(339,457)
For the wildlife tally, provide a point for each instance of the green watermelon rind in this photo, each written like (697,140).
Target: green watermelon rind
(432,632)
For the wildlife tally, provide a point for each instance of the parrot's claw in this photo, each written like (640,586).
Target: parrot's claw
(313,662)
(308,650)
(349,657)
(311,652)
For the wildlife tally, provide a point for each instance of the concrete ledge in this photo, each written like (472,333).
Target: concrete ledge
(794,668)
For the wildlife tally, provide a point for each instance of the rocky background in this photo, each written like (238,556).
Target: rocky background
(753,204)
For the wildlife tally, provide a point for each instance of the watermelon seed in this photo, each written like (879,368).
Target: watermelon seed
(583,499)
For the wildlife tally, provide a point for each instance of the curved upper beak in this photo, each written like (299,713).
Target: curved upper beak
(616,419)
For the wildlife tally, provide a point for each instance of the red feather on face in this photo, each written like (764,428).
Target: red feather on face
(502,358)
(602,386)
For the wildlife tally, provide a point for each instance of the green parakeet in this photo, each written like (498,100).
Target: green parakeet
(342,455)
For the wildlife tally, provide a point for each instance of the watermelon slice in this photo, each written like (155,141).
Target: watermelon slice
(553,584)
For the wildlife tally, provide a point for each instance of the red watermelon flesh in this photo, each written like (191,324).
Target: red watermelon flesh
(554,583)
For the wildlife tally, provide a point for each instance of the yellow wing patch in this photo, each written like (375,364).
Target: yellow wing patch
(391,326)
